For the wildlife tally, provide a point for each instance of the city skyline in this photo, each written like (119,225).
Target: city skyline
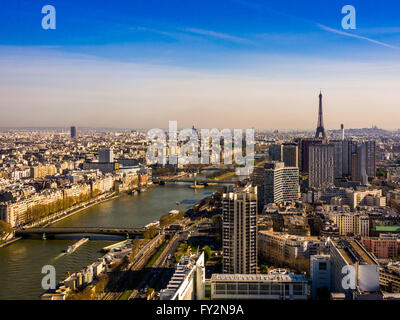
(213,152)
(251,63)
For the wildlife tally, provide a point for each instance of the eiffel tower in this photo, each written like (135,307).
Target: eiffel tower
(320,126)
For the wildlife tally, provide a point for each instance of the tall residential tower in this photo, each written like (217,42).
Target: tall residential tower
(281,183)
(321,166)
(239,235)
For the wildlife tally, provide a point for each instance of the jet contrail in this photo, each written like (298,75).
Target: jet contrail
(325,28)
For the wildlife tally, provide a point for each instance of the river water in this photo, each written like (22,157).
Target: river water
(21,262)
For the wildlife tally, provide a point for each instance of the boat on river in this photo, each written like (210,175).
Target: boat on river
(76,245)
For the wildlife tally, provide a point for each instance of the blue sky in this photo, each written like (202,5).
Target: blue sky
(179,60)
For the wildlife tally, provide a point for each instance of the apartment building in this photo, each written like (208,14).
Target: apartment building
(278,245)
(280,183)
(351,224)
(386,246)
(239,235)
(365,198)
(321,163)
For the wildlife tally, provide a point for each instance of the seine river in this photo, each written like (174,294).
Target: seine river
(21,262)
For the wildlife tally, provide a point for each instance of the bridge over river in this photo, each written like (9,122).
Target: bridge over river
(209,182)
(80,230)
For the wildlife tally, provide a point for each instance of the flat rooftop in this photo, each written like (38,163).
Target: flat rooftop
(387,228)
(286,236)
(259,277)
(353,252)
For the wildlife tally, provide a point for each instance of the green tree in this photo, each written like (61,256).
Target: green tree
(381,173)
(207,252)
(263,269)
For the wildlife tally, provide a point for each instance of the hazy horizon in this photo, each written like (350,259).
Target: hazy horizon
(67,128)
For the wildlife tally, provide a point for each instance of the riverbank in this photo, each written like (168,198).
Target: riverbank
(90,204)
(68,214)
(57,217)
(224,176)
(84,207)
(8,242)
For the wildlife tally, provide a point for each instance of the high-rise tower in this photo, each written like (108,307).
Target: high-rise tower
(73,132)
(321,158)
(280,183)
(239,235)
(320,126)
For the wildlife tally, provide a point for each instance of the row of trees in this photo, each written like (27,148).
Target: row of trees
(150,233)
(137,243)
(40,211)
(5,229)
(161,172)
(218,173)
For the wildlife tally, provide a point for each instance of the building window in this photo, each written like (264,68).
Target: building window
(242,288)
(220,288)
(297,289)
(275,289)
(231,288)
(265,289)
(253,288)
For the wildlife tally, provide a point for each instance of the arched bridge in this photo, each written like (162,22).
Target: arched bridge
(81,230)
